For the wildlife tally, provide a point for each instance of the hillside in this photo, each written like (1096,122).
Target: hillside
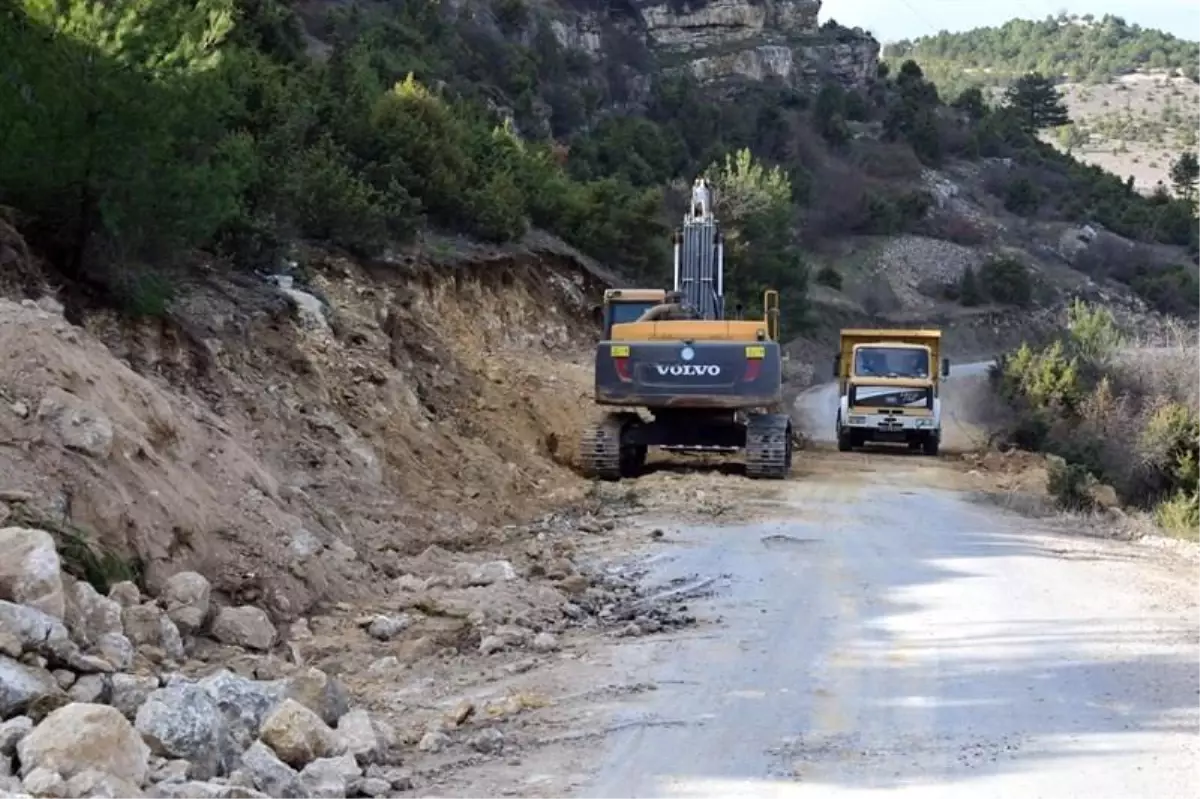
(1082,49)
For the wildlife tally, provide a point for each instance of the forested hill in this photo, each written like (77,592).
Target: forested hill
(1082,48)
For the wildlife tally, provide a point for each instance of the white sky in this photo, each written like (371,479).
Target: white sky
(890,20)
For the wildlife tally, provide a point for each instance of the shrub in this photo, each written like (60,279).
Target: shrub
(1007,281)
(828,276)
(969,293)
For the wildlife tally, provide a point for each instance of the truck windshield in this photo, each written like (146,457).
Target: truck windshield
(622,312)
(891,362)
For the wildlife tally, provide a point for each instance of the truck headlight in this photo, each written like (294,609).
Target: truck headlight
(858,420)
(924,423)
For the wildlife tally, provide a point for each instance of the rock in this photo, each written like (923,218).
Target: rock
(358,737)
(461,713)
(320,693)
(492,644)
(270,774)
(91,688)
(116,649)
(147,626)
(11,733)
(81,426)
(298,735)
(97,784)
(493,571)
(330,777)
(44,782)
(172,771)
(371,786)
(89,616)
(125,594)
(83,736)
(409,582)
(433,741)
(30,571)
(205,790)
(64,678)
(385,628)
(130,691)
(183,721)
(186,597)
(544,642)
(299,631)
(245,626)
(10,644)
(488,741)
(245,703)
(27,689)
(574,584)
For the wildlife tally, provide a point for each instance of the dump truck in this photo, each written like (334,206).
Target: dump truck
(888,388)
(677,374)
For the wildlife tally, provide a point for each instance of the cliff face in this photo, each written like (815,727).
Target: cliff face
(730,41)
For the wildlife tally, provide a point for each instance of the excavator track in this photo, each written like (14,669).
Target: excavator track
(768,446)
(603,453)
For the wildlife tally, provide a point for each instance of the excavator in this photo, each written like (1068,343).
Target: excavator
(707,383)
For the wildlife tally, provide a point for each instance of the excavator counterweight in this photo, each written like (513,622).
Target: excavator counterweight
(708,383)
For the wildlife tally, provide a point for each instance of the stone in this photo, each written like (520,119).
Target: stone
(433,741)
(96,784)
(358,736)
(80,425)
(79,737)
(372,786)
(399,778)
(245,703)
(330,777)
(44,782)
(299,631)
(320,693)
(493,571)
(89,616)
(385,628)
(186,596)
(1105,496)
(298,735)
(487,741)
(10,645)
(64,677)
(130,691)
(244,626)
(544,642)
(172,771)
(11,733)
(125,594)
(461,713)
(30,571)
(270,774)
(205,790)
(93,688)
(492,644)
(183,721)
(116,649)
(27,689)
(147,626)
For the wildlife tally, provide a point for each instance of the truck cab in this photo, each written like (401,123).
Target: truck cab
(889,385)
(627,305)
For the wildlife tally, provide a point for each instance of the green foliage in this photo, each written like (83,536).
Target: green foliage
(969,292)
(829,276)
(1084,48)
(1185,171)
(1022,196)
(1007,281)
(1093,333)
(1037,103)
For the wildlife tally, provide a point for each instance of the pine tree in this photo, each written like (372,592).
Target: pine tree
(1185,171)
(1038,103)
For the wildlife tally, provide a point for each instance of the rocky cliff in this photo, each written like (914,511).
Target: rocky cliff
(727,41)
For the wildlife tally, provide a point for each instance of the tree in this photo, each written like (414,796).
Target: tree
(969,293)
(971,101)
(1185,171)
(1069,137)
(1036,100)
(743,187)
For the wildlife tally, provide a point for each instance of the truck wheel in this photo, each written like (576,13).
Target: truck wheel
(930,445)
(845,440)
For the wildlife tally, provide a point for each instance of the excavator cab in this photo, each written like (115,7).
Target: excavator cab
(627,305)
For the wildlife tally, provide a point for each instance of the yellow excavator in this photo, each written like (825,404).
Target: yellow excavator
(707,383)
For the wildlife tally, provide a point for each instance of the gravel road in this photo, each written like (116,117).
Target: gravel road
(889,633)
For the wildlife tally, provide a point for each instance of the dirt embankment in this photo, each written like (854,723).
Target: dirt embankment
(295,443)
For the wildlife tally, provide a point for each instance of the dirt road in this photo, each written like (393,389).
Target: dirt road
(871,626)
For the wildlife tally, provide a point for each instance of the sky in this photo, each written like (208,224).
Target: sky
(890,20)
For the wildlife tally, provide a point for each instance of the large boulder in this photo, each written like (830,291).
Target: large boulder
(245,703)
(90,616)
(27,689)
(147,625)
(82,737)
(270,774)
(297,735)
(30,571)
(186,597)
(182,721)
(244,626)
(320,693)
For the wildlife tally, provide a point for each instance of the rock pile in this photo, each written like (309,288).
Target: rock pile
(94,701)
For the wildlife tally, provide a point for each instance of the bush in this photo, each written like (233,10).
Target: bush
(969,293)
(828,276)
(1007,281)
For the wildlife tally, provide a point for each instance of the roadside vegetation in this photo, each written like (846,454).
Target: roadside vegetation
(1121,416)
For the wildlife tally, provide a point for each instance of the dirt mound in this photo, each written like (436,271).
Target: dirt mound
(291,440)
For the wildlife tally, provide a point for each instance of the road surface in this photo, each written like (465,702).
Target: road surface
(890,634)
